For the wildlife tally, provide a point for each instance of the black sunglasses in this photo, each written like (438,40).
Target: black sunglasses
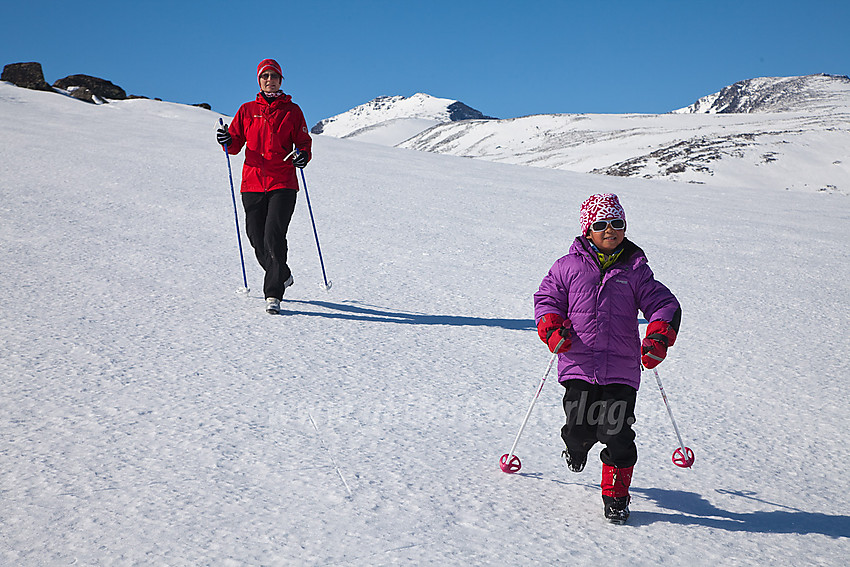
(601,225)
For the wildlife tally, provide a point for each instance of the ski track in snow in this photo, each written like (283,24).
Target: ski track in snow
(151,415)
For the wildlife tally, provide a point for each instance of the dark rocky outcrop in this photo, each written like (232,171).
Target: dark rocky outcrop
(83,94)
(98,87)
(26,75)
(82,87)
(459,111)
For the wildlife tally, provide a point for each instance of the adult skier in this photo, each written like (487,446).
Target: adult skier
(276,139)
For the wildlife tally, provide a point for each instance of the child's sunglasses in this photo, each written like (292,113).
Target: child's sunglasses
(601,225)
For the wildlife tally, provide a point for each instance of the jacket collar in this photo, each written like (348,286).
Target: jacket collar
(630,255)
(282,99)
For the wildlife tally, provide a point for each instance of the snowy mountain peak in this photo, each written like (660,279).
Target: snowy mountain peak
(395,117)
(775,94)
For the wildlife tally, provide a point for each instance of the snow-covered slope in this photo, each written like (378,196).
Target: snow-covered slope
(804,147)
(151,416)
(777,94)
(389,120)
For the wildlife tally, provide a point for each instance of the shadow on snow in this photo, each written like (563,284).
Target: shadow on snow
(381,315)
(693,509)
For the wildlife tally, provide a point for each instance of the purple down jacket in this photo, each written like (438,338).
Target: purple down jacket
(603,309)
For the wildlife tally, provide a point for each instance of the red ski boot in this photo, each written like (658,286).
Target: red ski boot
(615,493)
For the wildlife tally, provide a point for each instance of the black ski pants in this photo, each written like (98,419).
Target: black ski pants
(267,217)
(604,414)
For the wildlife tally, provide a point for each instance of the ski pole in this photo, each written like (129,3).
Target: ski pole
(236,217)
(683,456)
(509,462)
(327,284)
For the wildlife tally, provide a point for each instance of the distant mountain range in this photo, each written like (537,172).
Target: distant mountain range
(755,132)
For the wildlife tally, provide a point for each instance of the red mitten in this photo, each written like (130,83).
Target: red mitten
(551,328)
(659,336)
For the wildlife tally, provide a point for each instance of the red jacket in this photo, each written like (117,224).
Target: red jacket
(270,131)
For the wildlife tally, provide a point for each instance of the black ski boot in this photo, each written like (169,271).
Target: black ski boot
(616,509)
(574,462)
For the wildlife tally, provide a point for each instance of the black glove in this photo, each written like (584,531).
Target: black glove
(223,136)
(301,159)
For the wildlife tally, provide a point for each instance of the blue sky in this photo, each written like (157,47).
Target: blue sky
(506,59)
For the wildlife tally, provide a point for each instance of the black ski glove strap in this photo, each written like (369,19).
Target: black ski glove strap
(660,338)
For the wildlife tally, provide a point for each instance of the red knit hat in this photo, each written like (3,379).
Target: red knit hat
(267,64)
(600,207)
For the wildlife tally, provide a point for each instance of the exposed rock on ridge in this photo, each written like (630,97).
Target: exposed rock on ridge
(770,94)
(82,87)
(98,87)
(26,75)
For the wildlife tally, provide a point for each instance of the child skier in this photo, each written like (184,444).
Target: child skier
(590,299)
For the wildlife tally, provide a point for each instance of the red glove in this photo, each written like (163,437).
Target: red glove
(551,328)
(659,336)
